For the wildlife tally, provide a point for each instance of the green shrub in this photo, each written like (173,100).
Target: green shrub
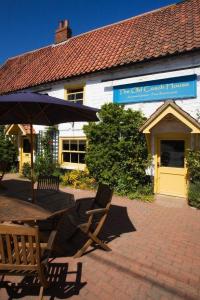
(194,194)
(117,151)
(78,179)
(44,166)
(26,170)
(193,165)
(8,150)
(144,193)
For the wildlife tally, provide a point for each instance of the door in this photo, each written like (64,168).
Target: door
(25,151)
(171,165)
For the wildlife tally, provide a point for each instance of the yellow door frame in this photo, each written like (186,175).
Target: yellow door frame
(169,136)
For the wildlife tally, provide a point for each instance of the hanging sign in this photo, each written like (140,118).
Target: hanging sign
(155,90)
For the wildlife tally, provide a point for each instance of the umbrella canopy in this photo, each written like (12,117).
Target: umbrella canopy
(41,109)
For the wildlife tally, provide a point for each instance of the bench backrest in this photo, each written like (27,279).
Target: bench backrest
(50,183)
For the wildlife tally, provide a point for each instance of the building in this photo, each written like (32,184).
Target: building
(150,62)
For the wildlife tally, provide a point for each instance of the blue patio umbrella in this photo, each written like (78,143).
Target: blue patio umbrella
(41,109)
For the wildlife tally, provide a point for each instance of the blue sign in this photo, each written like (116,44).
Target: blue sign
(155,90)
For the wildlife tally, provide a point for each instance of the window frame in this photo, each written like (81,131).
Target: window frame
(70,164)
(74,88)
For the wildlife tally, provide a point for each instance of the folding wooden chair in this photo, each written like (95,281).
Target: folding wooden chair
(89,221)
(22,254)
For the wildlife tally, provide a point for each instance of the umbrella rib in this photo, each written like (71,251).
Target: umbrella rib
(25,112)
(42,111)
(31,120)
(7,111)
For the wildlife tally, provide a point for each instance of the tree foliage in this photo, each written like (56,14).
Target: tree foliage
(117,152)
(8,150)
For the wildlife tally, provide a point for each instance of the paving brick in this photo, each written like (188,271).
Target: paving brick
(145,264)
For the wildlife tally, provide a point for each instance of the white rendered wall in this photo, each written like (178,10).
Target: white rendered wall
(98,89)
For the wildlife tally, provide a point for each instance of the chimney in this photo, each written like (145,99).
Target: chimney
(63,32)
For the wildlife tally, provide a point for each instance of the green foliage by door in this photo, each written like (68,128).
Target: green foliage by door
(193,165)
(117,152)
(8,151)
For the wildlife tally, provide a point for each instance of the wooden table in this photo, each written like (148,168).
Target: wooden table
(13,209)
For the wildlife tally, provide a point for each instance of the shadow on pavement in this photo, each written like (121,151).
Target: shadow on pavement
(60,287)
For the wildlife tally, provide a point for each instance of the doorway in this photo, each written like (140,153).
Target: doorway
(25,150)
(171,164)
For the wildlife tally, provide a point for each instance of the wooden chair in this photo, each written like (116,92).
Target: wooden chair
(88,221)
(21,253)
(48,183)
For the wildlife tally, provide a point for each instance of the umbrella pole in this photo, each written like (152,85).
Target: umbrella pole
(32,171)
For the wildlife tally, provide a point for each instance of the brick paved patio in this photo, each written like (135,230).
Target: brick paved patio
(155,255)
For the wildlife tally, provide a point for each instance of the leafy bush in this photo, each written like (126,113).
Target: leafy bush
(78,179)
(117,152)
(193,165)
(41,167)
(26,170)
(194,194)
(8,150)
(44,166)
(144,193)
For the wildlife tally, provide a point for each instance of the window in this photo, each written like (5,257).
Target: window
(172,153)
(75,95)
(73,151)
(26,146)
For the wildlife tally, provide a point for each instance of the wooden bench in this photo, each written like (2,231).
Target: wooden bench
(48,183)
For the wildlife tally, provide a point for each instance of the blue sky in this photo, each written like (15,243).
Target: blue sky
(30,24)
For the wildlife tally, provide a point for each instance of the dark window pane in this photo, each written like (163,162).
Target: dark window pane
(79,96)
(26,146)
(66,157)
(82,145)
(172,153)
(66,145)
(81,158)
(71,97)
(73,145)
(74,157)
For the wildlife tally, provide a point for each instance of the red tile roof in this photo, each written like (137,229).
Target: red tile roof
(169,30)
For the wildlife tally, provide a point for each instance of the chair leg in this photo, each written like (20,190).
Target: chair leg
(92,239)
(80,252)
(98,241)
(41,293)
